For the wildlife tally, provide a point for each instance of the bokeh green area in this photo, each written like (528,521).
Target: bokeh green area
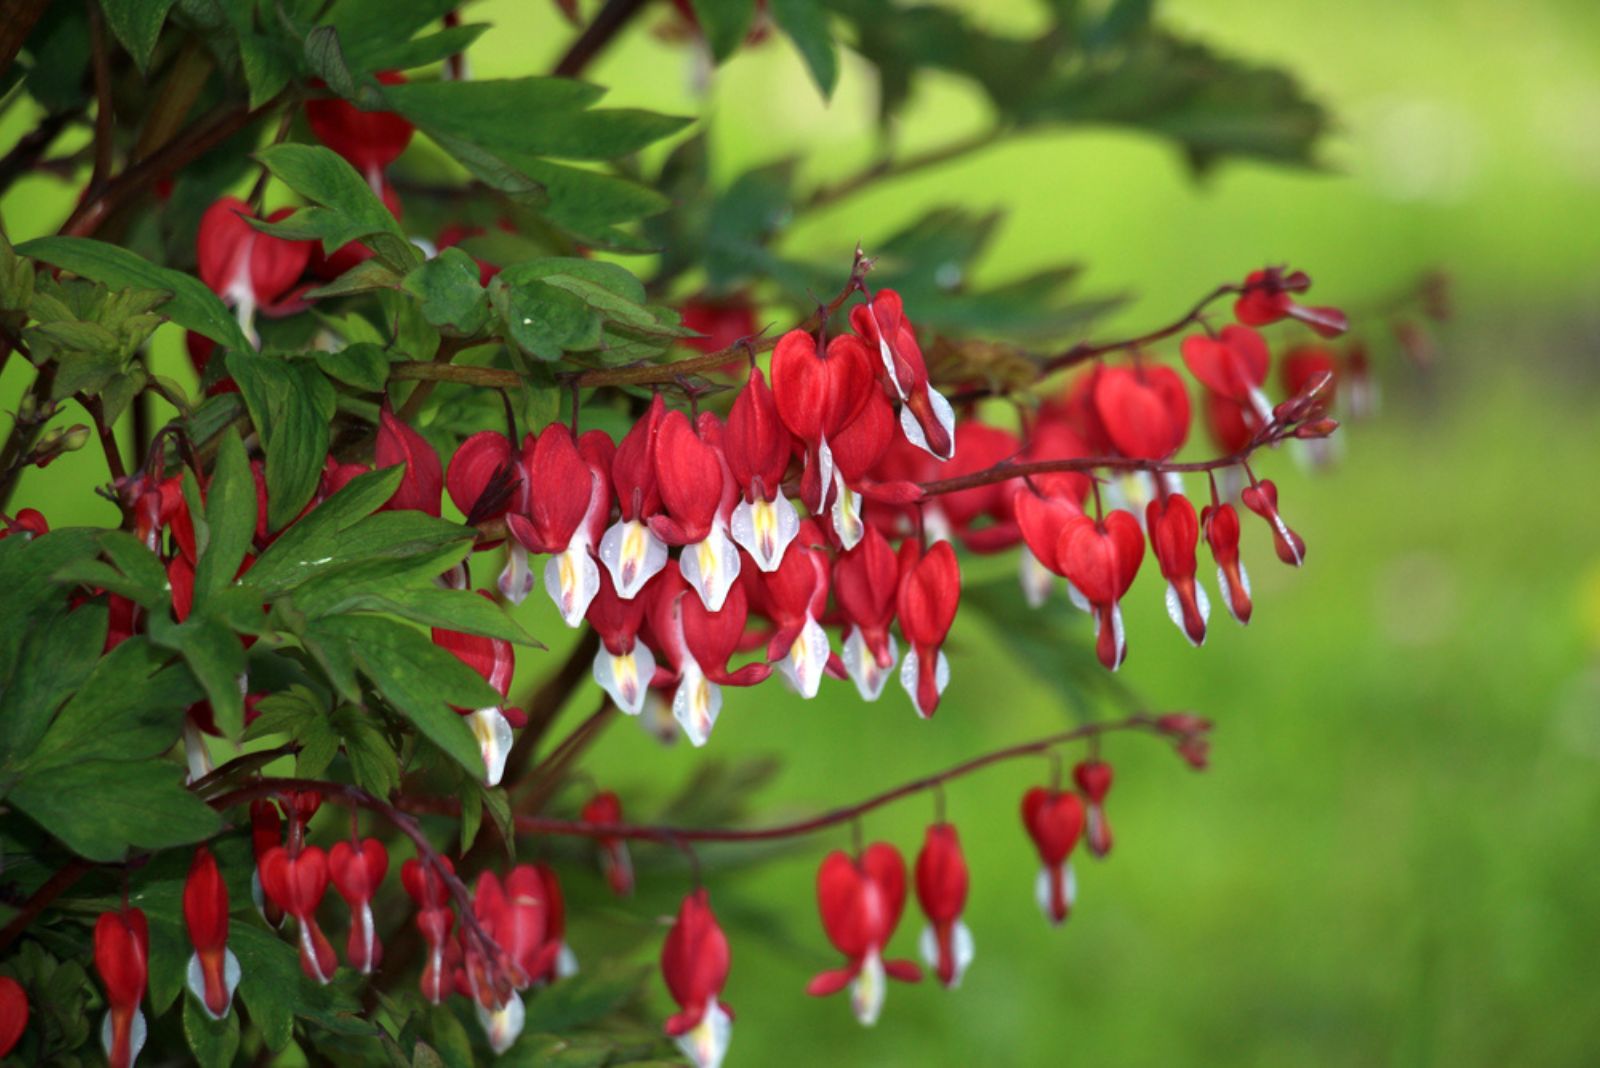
(1392,859)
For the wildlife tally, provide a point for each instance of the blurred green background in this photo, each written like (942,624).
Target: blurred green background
(1392,859)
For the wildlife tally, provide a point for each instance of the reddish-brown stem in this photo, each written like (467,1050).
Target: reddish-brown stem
(104,115)
(202,137)
(1083,351)
(107,435)
(832,818)
(548,774)
(59,883)
(608,22)
(1003,472)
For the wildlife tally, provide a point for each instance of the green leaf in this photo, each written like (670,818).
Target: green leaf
(476,112)
(298,553)
(130,708)
(363,365)
(100,808)
(349,210)
(137,24)
(725,23)
(59,651)
(292,406)
(373,762)
(213,1042)
(364,277)
(584,999)
(460,610)
(192,306)
(452,298)
(216,657)
(806,23)
(421,680)
(392,544)
(27,567)
(326,59)
(544,321)
(230,514)
(269,980)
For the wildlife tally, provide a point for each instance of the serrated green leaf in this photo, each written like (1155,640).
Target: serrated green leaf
(373,762)
(421,680)
(349,210)
(364,277)
(452,298)
(475,111)
(59,651)
(292,406)
(130,708)
(269,979)
(192,306)
(100,808)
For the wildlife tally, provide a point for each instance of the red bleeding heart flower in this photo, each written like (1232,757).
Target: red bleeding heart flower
(1262,499)
(488,477)
(930,591)
(758,448)
(370,140)
(857,452)
(568,503)
(694,963)
(866,584)
(818,392)
(926,418)
(1094,782)
(722,322)
(698,642)
(434,920)
(297,884)
(245,267)
(357,869)
(13,1013)
(1221,525)
(1268,296)
(122,957)
(1303,367)
(860,901)
(795,597)
(1144,409)
(527,932)
(698,490)
(27,523)
(1174,535)
(1054,820)
(561,963)
(495,660)
(1100,559)
(606,807)
(498,1005)
(941,872)
(213,969)
(623,665)
(1233,364)
(399,445)
(266,834)
(631,551)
